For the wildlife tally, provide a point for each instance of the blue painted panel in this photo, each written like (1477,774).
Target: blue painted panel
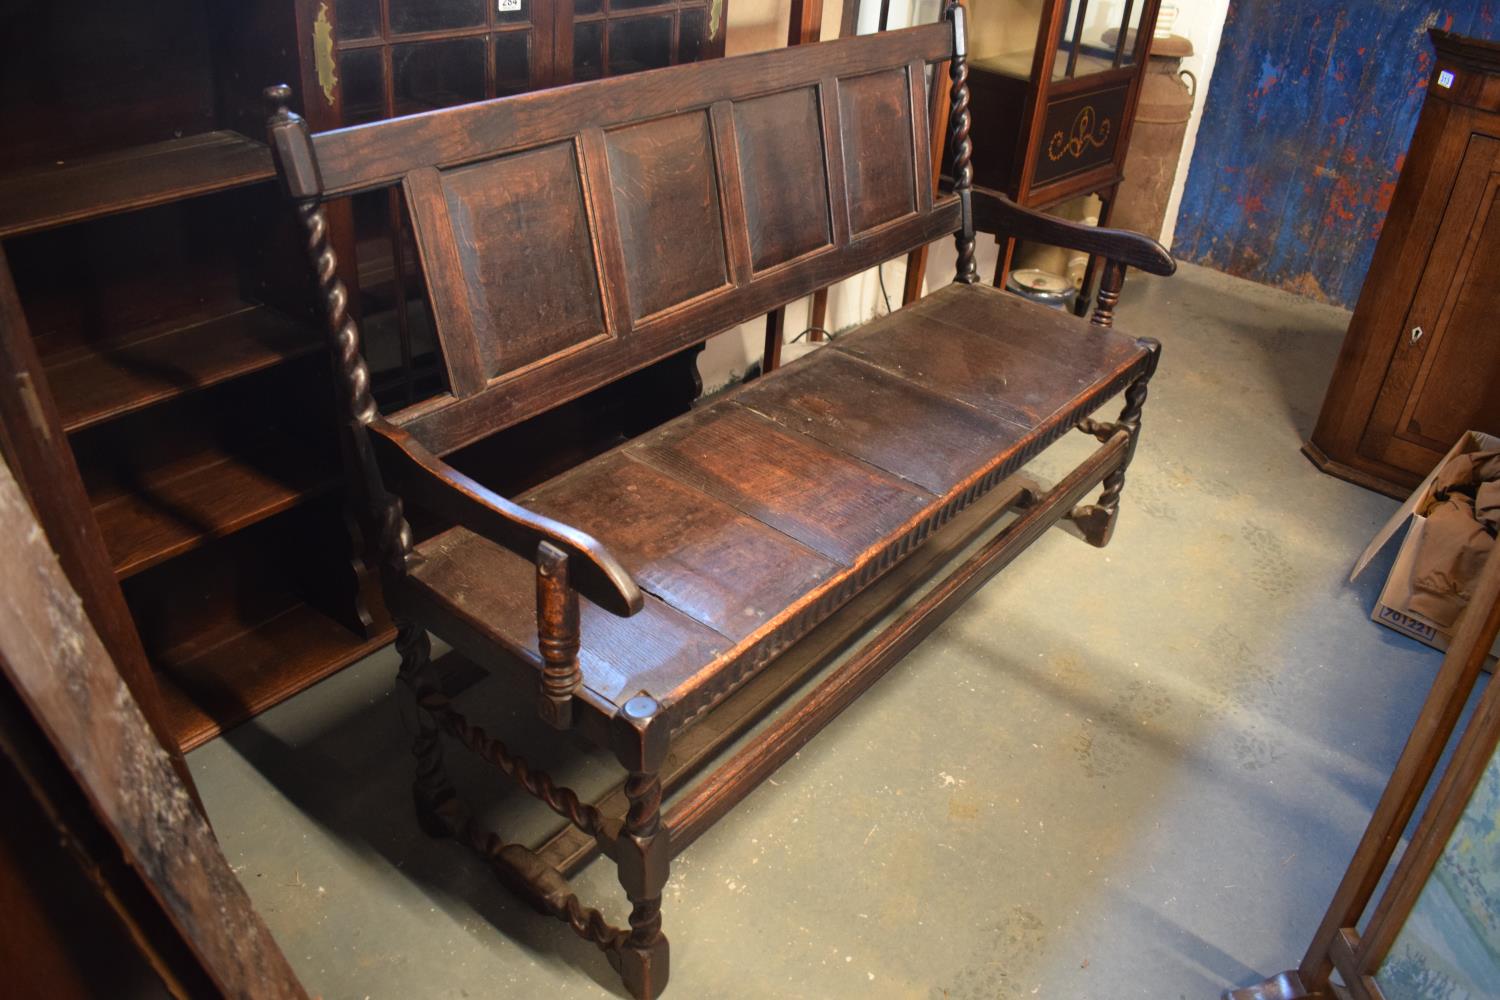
(1310,112)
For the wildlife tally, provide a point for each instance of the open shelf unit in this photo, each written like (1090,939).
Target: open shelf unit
(138,177)
(243,676)
(163,281)
(232,632)
(203,497)
(112,377)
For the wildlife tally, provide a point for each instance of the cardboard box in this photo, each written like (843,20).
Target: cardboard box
(1393,607)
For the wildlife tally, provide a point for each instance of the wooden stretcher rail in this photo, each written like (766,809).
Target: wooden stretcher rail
(700,808)
(570,848)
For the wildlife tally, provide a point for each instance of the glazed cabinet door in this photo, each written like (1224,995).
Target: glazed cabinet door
(399,57)
(612,37)
(1438,384)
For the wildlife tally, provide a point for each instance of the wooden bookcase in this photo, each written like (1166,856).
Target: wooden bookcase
(148,250)
(139,220)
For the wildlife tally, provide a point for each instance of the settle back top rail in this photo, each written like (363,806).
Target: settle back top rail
(571,236)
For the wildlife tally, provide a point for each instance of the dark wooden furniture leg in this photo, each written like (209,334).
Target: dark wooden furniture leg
(434,797)
(818,316)
(642,852)
(1106,210)
(775,334)
(1097,520)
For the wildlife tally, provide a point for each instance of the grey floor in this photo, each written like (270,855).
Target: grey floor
(1119,773)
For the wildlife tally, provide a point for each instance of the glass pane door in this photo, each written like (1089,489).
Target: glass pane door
(611,37)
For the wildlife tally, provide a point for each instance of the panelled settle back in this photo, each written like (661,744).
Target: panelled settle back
(573,235)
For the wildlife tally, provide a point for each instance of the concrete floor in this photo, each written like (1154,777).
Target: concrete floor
(1129,773)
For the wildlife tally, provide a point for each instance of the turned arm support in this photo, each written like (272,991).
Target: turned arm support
(996,214)
(422,478)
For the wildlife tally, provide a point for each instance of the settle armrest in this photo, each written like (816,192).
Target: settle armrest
(996,214)
(422,478)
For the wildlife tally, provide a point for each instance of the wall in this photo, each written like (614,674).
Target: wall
(1304,132)
(1202,23)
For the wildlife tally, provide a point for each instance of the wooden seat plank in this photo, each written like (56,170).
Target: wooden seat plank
(492,589)
(882,419)
(974,364)
(1052,333)
(822,497)
(696,553)
(740,556)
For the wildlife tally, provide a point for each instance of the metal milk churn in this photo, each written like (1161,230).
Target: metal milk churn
(1161,119)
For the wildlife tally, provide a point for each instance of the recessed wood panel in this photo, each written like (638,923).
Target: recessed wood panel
(667,202)
(1456,388)
(783,175)
(522,237)
(875,112)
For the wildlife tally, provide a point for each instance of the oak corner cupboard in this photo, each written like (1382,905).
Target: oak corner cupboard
(1421,361)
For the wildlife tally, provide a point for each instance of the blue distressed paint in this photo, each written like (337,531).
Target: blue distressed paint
(1311,109)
